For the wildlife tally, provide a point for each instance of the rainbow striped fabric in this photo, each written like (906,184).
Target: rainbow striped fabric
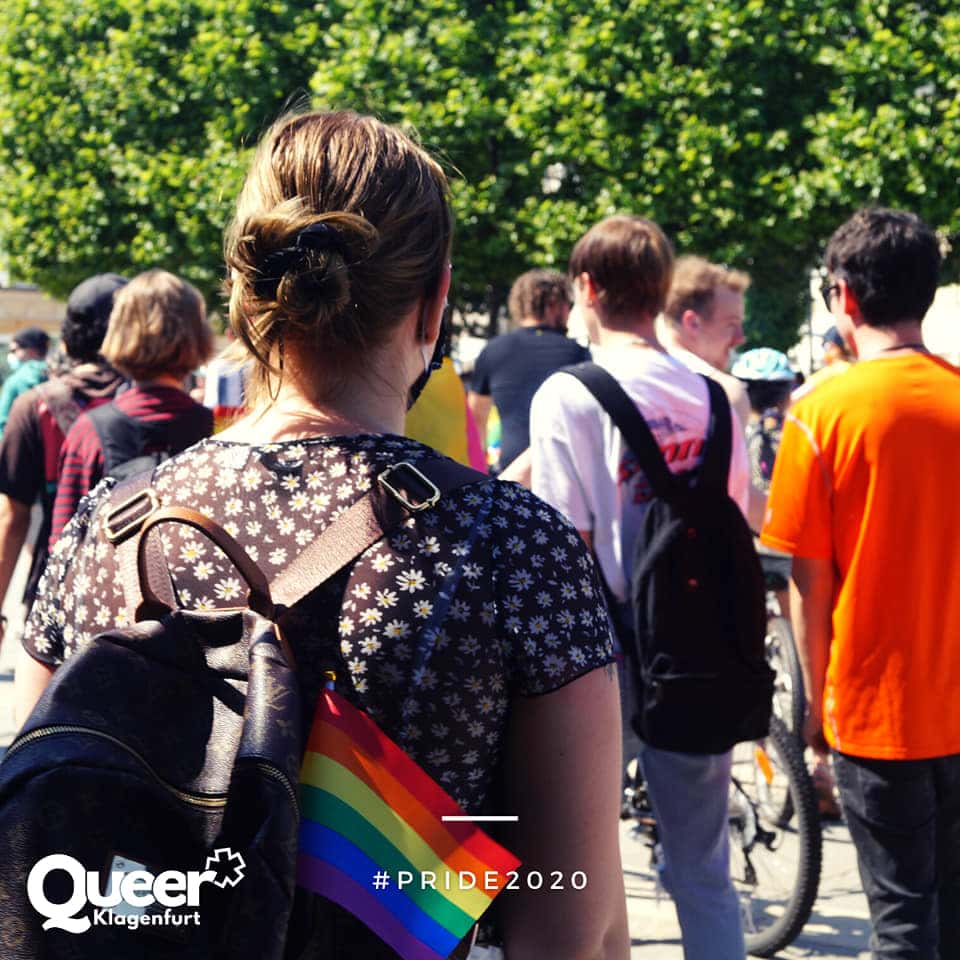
(369,812)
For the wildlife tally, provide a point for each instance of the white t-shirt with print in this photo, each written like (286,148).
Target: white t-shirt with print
(581,464)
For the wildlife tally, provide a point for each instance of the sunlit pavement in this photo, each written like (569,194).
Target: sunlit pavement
(838,928)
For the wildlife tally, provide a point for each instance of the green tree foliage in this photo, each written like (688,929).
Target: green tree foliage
(748,130)
(122,125)
(889,132)
(434,67)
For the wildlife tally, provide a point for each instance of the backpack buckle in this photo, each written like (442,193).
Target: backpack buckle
(403,491)
(126,518)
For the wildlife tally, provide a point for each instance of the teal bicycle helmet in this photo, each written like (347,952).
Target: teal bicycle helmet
(763,364)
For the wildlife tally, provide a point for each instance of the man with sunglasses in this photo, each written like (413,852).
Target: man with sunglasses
(863,495)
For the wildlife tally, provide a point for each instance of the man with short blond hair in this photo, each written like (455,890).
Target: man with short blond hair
(703,324)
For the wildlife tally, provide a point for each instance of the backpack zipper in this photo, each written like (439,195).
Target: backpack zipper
(208,801)
(200,800)
(282,778)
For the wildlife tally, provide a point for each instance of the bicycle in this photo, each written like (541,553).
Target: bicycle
(774,862)
(788,692)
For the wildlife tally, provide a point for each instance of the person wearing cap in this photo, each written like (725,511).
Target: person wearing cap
(27,361)
(836,359)
(40,419)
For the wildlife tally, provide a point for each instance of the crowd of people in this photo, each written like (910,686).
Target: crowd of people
(339,264)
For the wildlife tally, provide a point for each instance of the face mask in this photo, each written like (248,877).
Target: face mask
(13,360)
(431,363)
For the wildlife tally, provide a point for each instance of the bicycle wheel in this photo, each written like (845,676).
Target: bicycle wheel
(775,866)
(788,696)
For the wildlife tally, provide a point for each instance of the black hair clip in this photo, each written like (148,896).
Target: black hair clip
(318,236)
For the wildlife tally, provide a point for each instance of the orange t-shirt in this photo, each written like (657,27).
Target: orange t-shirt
(868,475)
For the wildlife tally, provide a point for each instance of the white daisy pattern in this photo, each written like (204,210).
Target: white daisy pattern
(525,615)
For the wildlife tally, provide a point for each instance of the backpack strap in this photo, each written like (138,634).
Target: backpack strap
(401,491)
(715,469)
(135,503)
(630,422)
(118,435)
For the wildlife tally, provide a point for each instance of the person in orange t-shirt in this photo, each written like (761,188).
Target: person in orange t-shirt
(864,494)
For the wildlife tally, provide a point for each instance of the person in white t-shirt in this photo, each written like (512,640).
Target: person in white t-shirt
(621,272)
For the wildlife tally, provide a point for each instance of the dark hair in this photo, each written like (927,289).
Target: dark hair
(629,260)
(891,261)
(88,313)
(32,338)
(532,292)
(343,224)
(765,394)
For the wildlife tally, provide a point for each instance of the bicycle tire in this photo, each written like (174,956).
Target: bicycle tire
(789,700)
(788,696)
(785,859)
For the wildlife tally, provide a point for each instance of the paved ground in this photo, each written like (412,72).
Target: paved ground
(838,929)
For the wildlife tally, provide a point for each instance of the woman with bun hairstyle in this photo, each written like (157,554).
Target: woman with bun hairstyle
(339,266)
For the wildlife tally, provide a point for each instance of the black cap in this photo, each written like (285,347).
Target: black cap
(32,338)
(92,300)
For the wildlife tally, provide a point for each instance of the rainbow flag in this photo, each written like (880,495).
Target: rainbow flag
(371,836)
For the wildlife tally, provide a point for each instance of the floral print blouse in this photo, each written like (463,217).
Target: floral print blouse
(524,613)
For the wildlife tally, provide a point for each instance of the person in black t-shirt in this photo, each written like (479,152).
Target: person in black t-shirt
(512,366)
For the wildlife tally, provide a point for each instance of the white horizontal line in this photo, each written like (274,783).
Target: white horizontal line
(513,819)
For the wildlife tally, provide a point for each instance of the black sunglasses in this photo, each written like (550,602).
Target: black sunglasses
(827,290)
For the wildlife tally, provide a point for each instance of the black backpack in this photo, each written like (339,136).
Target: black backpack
(697,594)
(131,445)
(175,744)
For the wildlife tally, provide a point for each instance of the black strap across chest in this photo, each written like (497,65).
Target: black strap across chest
(715,466)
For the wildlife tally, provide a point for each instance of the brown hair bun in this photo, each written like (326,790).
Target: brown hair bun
(342,226)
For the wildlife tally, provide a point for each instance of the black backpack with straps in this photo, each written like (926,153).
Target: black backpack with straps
(132,445)
(697,594)
(174,744)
